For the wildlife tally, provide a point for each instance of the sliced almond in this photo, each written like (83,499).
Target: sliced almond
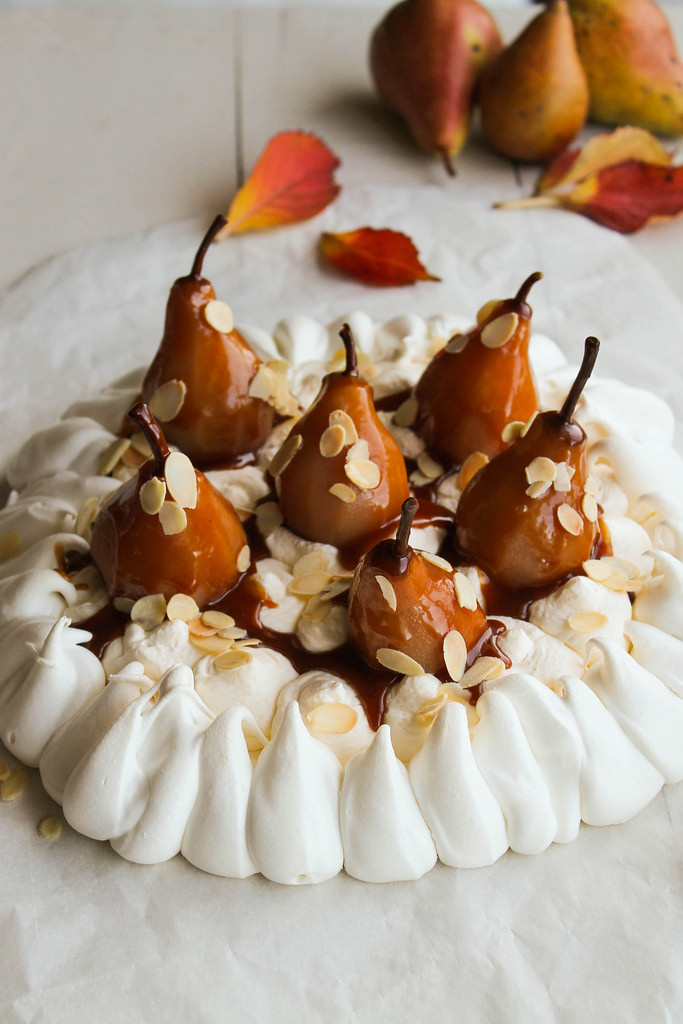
(285,454)
(152,495)
(87,514)
(472,464)
(243,559)
(316,610)
(527,426)
(512,431)
(458,343)
(483,669)
(232,659)
(587,622)
(11,544)
(338,417)
(309,584)
(332,440)
(334,589)
(181,479)
(149,611)
(597,569)
(570,520)
(360,449)
(123,605)
(217,620)
(232,633)
(264,384)
(50,828)
(465,592)
(591,486)
(343,492)
(418,479)
(563,477)
(112,455)
(168,400)
(332,717)
(397,661)
(540,469)
(211,644)
(5,771)
(589,507)
(268,517)
(406,413)
(455,654)
(312,561)
(14,785)
(429,466)
(198,627)
(172,518)
(183,607)
(247,641)
(538,489)
(388,592)
(487,310)
(140,443)
(363,473)
(219,316)
(441,563)
(132,458)
(498,332)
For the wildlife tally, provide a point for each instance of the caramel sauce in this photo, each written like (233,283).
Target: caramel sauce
(105,625)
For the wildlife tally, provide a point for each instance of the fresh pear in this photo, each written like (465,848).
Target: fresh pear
(404,601)
(480,382)
(339,475)
(534,95)
(629,54)
(528,518)
(425,58)
(167,530)
(207,369)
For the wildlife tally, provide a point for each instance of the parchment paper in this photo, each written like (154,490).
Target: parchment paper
(589,932)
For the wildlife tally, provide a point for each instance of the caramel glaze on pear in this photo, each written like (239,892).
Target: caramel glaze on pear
(136,557)
(427,607)
(303,485)
(219,419)
(479,383)
(521,540)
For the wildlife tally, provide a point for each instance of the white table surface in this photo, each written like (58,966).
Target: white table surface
(113,121)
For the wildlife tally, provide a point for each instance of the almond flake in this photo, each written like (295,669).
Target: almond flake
(538,489)
(211,644)
(243,559)
(168,400)
(570,520)
(334,590)
(406,413)
(87,514)
(418,479)
(527,426)
(587,622)
(264,385)
(498,332)
(483,669)
(112,455)
(149,611)
(285,454)
(343,492)
(217,620)
(397,661)
(512,431)
(465,592)
(14,785)
(232,659)
(332,440)
(597,569)
(309,584)
(455,654)
(360,449)
(183,607)
(563,477)
(198,627)
(429,711)
(472,464)
(172,518)
(219,316)
(388,592)
(11,544)
(363,473)
(457,344)
(132,458)
(315,610)
(123,605)
(312,561)
(589,507)
(152,495)
(437,560)
(487,309)
(247,641)
(140,443)
(50,828)
(332,717)
(181,479)
(541,469)
(5,771)
(340,418)
(268,517)
(232,633)
(429,466)
(591,486)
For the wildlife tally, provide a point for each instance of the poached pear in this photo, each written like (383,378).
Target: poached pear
(340,476)
(527,518)
(479,382)
(209,369)
(167,530)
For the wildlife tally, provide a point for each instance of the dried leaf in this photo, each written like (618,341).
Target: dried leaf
(375,256)
(627,143)
(292,180)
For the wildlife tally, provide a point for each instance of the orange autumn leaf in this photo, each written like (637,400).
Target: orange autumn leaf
(376,256)
(292,180)
(626,143)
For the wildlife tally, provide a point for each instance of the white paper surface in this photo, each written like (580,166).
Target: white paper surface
(589,932)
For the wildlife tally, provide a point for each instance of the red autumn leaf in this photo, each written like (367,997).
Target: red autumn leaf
(376,256)
(629,195)
(292,180)
(606,150)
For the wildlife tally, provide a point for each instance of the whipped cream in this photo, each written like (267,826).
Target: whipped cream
(262,767)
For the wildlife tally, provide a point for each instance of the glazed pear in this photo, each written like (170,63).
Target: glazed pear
(401,600)
(425,58)
(167,530)
(534,95)
(340,476)
(479,382)
(629,54)
(526,518)
(214,417)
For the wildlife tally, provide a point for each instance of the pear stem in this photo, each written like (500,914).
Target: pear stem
(590,354)
(447,162)
(218,222)
(523,293)
(351,369)
(142,417)
(408,510)
(528,203)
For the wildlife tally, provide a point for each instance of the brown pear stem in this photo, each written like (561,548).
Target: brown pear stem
(590,354)
(351,369)
(408,510)
(448,162)
(142,417)
(523,293)
(529,203)
(218,222)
